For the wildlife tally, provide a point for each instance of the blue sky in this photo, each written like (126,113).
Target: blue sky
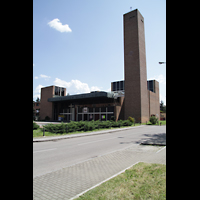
(78,44)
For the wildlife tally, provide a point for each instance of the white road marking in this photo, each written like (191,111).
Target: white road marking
(44,150)
(160,149)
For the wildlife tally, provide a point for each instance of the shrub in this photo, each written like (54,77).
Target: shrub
(35,126)
(126,123)
(153,120)
(72,126)
(105,124)
(116,124)
(84,125)
(112,118)
(89,126)
(131,119)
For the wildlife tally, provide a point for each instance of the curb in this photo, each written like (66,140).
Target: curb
(82,134)
(158,144)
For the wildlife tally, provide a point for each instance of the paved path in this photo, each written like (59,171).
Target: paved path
(73,180)
(67,182)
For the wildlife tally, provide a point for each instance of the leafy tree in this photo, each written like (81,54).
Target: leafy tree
(162,106)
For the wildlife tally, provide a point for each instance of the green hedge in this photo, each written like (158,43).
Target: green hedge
(153,120)
(85,126)
(35,126)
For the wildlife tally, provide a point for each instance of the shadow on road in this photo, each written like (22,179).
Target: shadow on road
(155,139)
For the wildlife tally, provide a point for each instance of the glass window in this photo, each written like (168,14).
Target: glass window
(103,109)
(110,109)
(109,116)
(118,86)
(97,109)
(121,85)
(114,86)
(56,91)
(79,110)
(80,117)
(62,91)
(103,117)
(150,85)
(90,110)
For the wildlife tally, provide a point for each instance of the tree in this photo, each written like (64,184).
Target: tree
(37,100)
(162,106)
(33,111)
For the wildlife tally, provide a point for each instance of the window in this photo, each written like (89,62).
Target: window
(103,109)
(79,110)
(121,85)
(150,85)
(97,109)
(56,90)
(114,86)
(118,86)
(62,91)
(90,109)
(59,91)
(110,109)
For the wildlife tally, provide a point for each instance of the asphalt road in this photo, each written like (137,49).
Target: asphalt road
(53,155)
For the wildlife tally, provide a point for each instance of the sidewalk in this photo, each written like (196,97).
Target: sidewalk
(72,181)
(52,138)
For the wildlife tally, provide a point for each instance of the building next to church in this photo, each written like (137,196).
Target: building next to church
(134,96)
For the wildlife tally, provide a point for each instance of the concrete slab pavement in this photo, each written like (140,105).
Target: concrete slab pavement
(70,182)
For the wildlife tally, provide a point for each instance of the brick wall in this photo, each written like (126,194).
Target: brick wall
(45,106)
(154,102)
(136,99)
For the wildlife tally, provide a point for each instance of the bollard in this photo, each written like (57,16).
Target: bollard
(66,130)
(84,127)
(160,123)
(134,123)
(43,131)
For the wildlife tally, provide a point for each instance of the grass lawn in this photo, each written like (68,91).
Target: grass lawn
(163,122)
(142,181)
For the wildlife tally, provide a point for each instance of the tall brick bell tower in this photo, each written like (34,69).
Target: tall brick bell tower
(136,99)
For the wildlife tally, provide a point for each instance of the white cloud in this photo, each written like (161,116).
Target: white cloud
(163,98)
(95,88)
(56,24)
(75,86)
(46,78)
(160,78)
(37,91)
(109,89)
